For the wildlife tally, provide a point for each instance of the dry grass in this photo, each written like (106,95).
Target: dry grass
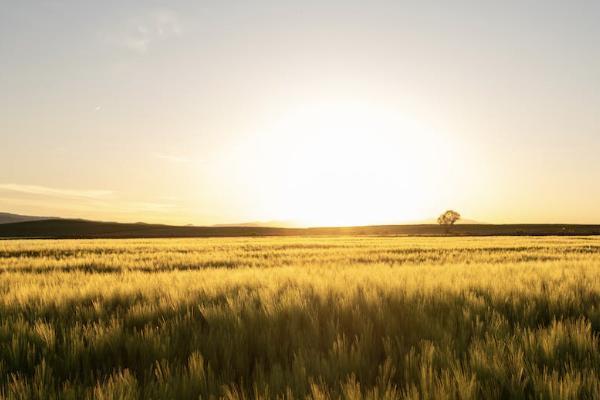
(300,318)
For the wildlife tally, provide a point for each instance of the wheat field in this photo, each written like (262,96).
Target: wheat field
(300,317)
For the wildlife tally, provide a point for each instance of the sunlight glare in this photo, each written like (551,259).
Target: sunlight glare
(345,164)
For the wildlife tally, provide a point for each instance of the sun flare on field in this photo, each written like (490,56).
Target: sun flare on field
(341,164)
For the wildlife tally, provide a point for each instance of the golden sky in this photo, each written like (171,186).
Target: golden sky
(322,113)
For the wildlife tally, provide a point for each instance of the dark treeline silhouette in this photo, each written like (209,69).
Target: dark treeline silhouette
(65,228)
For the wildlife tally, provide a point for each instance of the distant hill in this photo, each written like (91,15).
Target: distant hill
(269,224)
(7,218)
(462,221)
(69,228)
(292,224)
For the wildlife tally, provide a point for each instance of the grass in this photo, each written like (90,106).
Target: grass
(300,317)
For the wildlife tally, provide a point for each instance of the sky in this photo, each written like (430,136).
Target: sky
(319,112)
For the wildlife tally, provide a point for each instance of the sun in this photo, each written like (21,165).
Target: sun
(345,163)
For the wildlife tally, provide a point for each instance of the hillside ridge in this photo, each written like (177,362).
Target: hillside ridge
(72,228)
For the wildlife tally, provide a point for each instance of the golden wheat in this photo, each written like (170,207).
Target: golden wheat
(339,317)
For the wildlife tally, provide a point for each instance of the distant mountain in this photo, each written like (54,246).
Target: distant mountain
(266,224)
(7,218)
(470,222)
(462,221)
(292,224)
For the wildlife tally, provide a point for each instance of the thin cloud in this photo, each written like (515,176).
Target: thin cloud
(138,34)
(91,204)
(150,207)
(173,158)
(57,192)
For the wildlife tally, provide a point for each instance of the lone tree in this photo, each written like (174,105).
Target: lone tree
(448,219)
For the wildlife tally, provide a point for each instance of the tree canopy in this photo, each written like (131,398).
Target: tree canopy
(449,217)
